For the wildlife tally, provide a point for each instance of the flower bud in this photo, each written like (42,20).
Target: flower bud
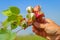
(24,24)
(29,9)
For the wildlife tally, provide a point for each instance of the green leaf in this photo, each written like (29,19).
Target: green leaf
(13,25)
(5,23)
(14,10)
(7,12)
(2,30)
(12,18)
(11,35)
(11,11)
(8,35)
(4,36)
(19,18)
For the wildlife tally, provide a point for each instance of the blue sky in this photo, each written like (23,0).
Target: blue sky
(51,9)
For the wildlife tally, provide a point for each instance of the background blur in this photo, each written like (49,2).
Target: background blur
(51,9)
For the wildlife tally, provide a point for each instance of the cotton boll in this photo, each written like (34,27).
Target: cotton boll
(29,9)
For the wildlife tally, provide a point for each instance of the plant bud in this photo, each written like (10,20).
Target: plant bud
(29,9)
(31,16)
(24,24)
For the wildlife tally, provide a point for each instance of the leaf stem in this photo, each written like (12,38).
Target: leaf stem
(19,30)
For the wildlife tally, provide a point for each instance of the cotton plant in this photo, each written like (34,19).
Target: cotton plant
(13,20)
(30,16)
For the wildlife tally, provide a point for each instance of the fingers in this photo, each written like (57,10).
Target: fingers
(36,24)
(58,37)
(36,31)
(39,33)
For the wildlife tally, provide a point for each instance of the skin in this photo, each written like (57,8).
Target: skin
(46,27)
(51,31)
(37,8)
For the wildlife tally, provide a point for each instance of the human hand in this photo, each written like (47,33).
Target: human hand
(49,27)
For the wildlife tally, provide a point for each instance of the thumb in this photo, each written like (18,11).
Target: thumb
(48,20)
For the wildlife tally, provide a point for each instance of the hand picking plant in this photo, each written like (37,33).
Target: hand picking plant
(15,19)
